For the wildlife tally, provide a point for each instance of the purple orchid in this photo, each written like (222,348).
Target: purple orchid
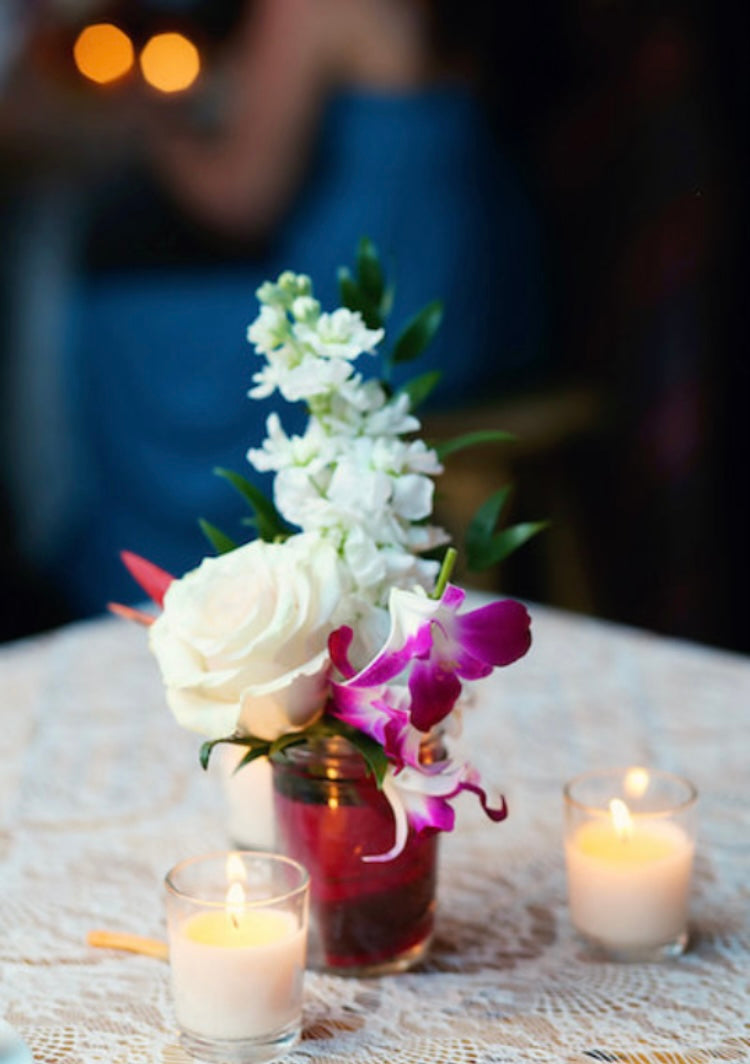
(440,646)
(422,800)
(430,649)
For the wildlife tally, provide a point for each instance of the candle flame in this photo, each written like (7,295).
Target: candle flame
(621,819)
(636,782)
(235,902)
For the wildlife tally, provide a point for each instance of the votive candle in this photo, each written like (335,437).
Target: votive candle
(629,846)
(237,938)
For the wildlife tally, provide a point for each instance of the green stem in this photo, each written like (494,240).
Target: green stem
(445,572)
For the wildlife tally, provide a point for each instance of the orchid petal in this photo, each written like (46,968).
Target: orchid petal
(150,577)
(434,692)
(434,813)
(494,813)
(453,597)
(362,709)
(339,644)
(388,664)
(400,820)
(497,634)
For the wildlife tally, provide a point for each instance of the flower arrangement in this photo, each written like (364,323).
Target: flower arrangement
(336,619)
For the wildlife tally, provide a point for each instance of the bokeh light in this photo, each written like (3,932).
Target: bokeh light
(103,53)
(170,62)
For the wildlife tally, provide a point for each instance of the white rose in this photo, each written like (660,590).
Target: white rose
(242,641)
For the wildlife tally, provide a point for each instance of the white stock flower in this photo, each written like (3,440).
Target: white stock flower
(301,500)
(242,640)
(289,286)
(351,477)
(412,496)
(313,450)
(421,538)
(364,396)
(341,334)
(397,456)
(357,486)
(405,570)
(311,378)
(269,330)
(306,309)
(364,559)
(392,419)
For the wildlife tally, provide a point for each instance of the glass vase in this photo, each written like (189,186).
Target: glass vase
(367,918)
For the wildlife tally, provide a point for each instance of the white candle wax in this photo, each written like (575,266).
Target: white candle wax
(248,794)
(629,891)
(237,976)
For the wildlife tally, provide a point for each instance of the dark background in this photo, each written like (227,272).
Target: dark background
(629,125)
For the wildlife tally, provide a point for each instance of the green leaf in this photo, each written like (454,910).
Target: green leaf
(420,388)
(417,333)
(504,543)
(484,521)
(354,298)
(485,546)
(371,751)
(267,518)
(257,747)
(252,754)
(221,542)
(471,439)
(370,272)
(288,739)
(386,303)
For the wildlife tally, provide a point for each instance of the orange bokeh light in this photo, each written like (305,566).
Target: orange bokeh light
(170,62)
(103,53)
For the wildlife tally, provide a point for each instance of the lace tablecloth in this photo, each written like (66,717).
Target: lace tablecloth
(100,792)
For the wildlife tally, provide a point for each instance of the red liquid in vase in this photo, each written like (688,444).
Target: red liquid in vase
(366,916)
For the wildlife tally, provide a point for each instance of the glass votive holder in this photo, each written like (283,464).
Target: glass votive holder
(629,845)
(237,925)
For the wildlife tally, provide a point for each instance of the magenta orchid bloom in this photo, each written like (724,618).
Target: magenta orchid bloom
(422,800)
(439,646)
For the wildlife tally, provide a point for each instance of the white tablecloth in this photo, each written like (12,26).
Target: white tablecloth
(101,792)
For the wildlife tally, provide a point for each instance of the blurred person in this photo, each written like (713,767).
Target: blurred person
(325,121)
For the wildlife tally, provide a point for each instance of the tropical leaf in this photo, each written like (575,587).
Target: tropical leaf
(471,439)
(386,303)
(504,543)
(220,541)
(256,748)
(483,523)
(253,753)
(278,746)
(266,517)
(420,388)
(150,577)
(371,751)
(370,272)
(484,545)
(354,298)
(417,333)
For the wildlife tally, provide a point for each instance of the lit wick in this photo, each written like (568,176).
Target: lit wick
(235,903)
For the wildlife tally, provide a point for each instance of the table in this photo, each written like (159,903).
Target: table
(100,792)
